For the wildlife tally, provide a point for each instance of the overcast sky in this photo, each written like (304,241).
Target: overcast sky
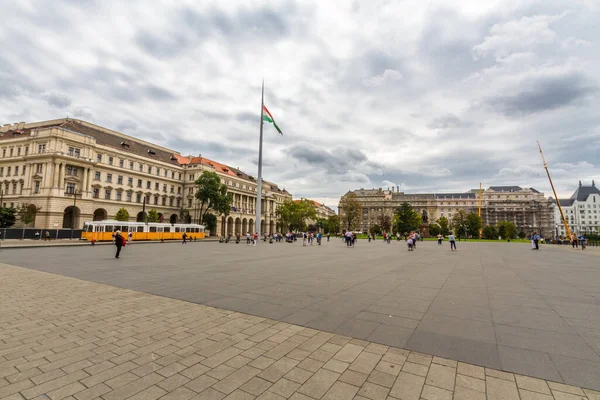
(376,93)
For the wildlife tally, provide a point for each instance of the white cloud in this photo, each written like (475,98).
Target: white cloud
(388,76)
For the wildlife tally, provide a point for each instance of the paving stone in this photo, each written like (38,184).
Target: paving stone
(373,391)
(319,383)
(499,374)
(419,358)
(435,393)
(209,394)
(331,347)
(527,395)
(348,353)
(298,375)
(194,371)
(341,391)
(181,393)
(284,387)
(445,361)
(262,362)
(93,392)
(382,379)
(416,369)
(270,396)
(151,393)
(462,393)
(408,386)
(441,376)
(336,366)
(376,348)
(236,379)
(173,382)
(469,382)
(501,389)
(365,362)
(471,370)
(311,365)
(565,388)
(240,395)
(278,369)
(354,378)
(321,355)
(201,383)
(388,368)
(256,386)
(52,385)
(121,380)
(592,394)
(532,384)
(221,372)
(567,396)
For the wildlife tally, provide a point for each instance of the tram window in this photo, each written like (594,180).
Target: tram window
(124,228)
(160,229)
(167,229)
(140,229)
(152,229)
(177,229)
(108,228)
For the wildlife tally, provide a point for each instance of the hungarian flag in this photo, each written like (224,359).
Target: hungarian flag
(269,118)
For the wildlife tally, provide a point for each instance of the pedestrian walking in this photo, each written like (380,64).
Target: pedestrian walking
(184,238)
(328,236)
(255,237)
(582,240)
(129,237)
(452,240)
(440,239)
(119,242)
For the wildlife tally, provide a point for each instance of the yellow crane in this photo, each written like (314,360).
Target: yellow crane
(554,191)
(479,208)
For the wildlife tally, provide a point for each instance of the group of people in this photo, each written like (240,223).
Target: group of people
(578,240)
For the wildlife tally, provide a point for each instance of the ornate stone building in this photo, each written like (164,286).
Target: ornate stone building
(526,207)
(322,210)
(75,171)
(582,211)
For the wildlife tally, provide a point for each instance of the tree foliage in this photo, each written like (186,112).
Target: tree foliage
(27,213)
(444,224)
(459,223)
(212,195)
(406,219)
(474,224)
(350,211)
(210,222)
(375,229)
(7,217)
(385,222)
(293,214)
(506,229)
(490,232)
(122,215)
(332,224)
(153,216)
(435,229)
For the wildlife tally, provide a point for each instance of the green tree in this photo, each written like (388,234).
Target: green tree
(210,222)
(122,215)
(332,224)
(350,211)
(459,223)
(506,229)
(212,195)
(375,229)
(385,221)
(293,214)
(153,216)
(435,229)
(320,223)
(406,219)
(444,224)
(522,235)
(7,217)
(490,232)
(27,213)
(474,224)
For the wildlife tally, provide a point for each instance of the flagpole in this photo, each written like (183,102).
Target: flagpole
(259,187)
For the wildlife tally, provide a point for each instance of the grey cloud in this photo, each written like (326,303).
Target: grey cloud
(83,113)
(57,100)
(337,161)
(448,121)
(126,125)
(544,93)
(166,44)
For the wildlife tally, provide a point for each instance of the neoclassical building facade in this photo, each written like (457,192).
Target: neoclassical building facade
(581,210)
(526,207)
(75,171)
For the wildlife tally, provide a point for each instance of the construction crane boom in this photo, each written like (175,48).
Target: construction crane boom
(554,191)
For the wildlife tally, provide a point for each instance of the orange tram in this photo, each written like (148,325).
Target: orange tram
(103,230)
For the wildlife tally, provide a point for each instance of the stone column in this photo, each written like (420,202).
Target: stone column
(55,174)
(47,175)
(84,180)
(61,176)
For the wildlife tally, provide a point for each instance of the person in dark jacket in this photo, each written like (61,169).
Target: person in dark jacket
(119,242)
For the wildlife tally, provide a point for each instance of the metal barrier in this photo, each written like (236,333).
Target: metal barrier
(30,233)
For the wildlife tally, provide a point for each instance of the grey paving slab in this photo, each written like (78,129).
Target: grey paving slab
(498,305)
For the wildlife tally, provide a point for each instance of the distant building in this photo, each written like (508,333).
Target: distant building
(322,210)
(526,207)
(581,211)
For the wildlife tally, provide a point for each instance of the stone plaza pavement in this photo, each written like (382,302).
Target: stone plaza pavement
(497,305)
(64,338)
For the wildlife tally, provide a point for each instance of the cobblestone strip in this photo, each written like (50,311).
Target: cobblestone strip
(61,338)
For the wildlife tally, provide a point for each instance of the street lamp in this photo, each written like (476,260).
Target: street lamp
(75,193)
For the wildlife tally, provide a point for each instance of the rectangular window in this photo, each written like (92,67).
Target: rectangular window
(36,187)
(148,184)
(171,202)
(18,151)
(110,160)
(139,183)
(165,188)
(121,163)
(120,179)
(118,196)
(148,199)
(17,170)
(130,164)
(108,177)
(107,194)
(99,158)
(138,197)
(97,176)
(130,181)
(141,167)
(71,170)
(191,191)
(179,190)
(178,202)
(149,169)
(24,168)
(38,168)
(180,176)
(164,201)
(156,186)
(155,199)
(166,173)
(128,196)
(172,189)
(189,203)
(70,189)
(3,153)
(8,171)
(96,193)
(26,150)
(12,150)
(157,171)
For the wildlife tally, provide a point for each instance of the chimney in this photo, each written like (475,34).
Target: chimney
(579,183)
(398,188)
(593,183)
